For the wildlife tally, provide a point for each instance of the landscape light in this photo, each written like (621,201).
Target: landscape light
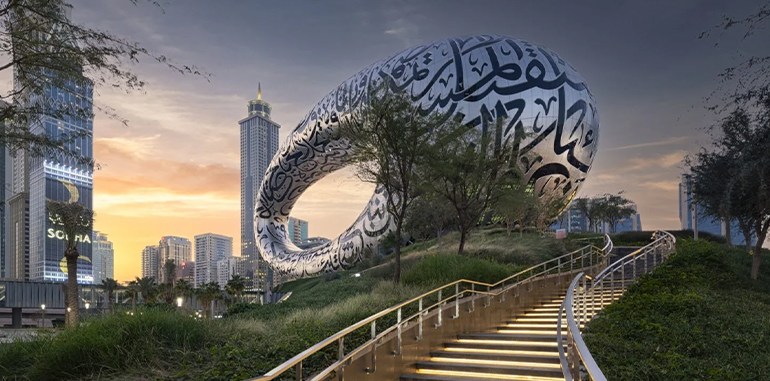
(179,301)
(88,305)
(357,275)
(42,306)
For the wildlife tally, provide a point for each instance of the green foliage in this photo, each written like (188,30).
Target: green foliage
(438,269)
(147,339)
(698,317)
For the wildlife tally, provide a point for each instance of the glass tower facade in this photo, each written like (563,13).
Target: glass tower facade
(59,178)
(259,143)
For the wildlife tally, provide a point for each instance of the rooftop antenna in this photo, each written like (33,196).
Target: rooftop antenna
(259,91)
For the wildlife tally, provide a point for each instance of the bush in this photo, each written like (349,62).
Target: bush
(641,238)
(698,317)
(147,339)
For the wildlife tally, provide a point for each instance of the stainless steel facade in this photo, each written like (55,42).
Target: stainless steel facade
(481,79)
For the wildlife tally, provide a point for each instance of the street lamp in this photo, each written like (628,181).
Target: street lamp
(42,307)
(179,301)
(88,305)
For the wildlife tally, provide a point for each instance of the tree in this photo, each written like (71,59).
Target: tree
(185,289)
(206,294)
(236,286)
(517,202)
(746,82)
(145,286)
(169,275)
(614,207)
(389,137)
(712,187)
(545,211)
(47,50)
(110,285)
(743,146)
(75,220)
(589,207)
(133,290)
(429,216)
(469,169)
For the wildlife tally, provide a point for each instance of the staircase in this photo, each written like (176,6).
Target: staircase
(524,348)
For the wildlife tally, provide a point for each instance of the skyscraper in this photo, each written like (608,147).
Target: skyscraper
(228,267)
(177,249)
(259,143)
(297,230)
(150,262)
(209,249)
(103,259)
(66,104)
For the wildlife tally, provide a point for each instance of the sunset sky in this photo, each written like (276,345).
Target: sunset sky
(174,170)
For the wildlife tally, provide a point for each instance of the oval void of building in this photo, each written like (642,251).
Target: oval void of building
(542,98)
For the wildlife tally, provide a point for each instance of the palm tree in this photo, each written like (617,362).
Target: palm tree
(207,294)
(133,291)
(145,286)
(110,285)
(75,220)
(169,275)
(236,285)
(183,288)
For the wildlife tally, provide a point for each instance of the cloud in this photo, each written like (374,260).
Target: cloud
(668,186)
(663,161)
(665,142)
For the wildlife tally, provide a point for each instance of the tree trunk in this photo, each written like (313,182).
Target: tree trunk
(72,288)
(397,253)
(761,234)
(463,235)
(111,300)
(133,302)
(728,231)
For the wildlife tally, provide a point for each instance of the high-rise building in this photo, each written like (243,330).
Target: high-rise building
(173,248)
(209,249)
(228,267)
(150,262)
(186,271)
(103,261)
(51,176)
(3,221)
(259,143)
(704,222)
(297,230)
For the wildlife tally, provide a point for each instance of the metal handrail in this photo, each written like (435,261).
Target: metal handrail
(584,254)
(580,296)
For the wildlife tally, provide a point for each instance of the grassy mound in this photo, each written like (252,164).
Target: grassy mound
(252,339)
(698,317)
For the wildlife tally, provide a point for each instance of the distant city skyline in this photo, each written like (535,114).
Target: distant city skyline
(646,66)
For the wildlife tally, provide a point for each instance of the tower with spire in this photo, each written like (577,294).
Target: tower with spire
(259,143)
(258,106)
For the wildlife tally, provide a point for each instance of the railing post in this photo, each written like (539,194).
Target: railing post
(558,276)
(635,264)
(419,321)
(473,297)
(457,301)
(398,341)
(298,371)
(373,366)
(489,296)
(341,355)
(440,310)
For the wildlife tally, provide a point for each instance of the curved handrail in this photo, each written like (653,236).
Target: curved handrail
(578,351)
(584,254)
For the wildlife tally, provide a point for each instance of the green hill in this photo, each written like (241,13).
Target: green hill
(699,316)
